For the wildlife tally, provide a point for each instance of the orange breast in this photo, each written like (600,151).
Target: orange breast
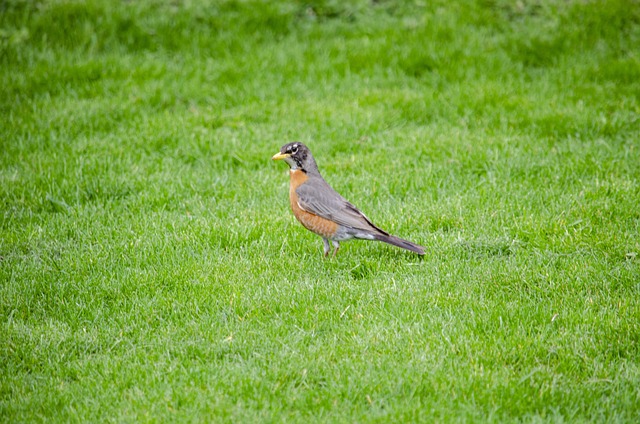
(314,223)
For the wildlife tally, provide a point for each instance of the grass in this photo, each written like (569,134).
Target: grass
(150,269)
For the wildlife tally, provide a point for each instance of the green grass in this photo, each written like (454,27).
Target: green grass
(150,269)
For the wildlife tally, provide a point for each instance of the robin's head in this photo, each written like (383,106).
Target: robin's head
(298,156)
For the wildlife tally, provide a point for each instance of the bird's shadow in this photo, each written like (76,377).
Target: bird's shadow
(364,262)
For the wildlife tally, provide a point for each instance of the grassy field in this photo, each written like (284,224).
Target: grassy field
(150,267)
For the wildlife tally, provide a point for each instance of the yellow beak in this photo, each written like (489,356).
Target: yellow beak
(279,156)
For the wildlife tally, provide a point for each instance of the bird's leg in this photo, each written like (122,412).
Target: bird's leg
(327,247)
(336,244)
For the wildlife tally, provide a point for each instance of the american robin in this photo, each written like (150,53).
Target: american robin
(325,212)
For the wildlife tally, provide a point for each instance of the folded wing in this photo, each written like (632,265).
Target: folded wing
(318,198)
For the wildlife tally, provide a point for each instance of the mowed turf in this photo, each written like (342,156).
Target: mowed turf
(150,268)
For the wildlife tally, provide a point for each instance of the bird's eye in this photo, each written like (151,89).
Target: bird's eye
(294,149)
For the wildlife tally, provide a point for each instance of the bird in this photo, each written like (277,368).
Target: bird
(323,211)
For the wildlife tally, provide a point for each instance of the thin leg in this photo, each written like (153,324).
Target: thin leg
(327,247)
(336,244)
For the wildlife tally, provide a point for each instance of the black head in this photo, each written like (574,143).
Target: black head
(297,155)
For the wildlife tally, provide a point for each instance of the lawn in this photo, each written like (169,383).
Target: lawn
(150,267)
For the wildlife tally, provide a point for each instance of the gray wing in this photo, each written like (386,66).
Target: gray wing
(317,197)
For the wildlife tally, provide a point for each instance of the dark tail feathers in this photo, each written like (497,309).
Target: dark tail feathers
(404,244)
